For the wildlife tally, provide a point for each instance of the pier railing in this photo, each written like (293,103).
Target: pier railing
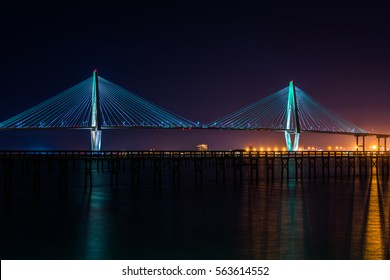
(172,167)
(188,154)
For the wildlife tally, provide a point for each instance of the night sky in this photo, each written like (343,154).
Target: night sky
(199,59)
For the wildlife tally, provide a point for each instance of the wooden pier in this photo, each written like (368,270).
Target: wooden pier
(136,168)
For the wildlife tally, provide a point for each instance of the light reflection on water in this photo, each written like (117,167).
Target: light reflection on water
(97,228)
(282,219)
(373,238)
(346,219)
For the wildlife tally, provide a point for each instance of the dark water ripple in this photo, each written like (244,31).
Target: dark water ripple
(281,219)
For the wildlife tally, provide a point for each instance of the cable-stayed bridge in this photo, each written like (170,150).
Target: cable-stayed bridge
(99,104)
(96,104)
(292,111)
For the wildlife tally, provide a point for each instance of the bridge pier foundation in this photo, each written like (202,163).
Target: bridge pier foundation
(325,166)
(157,171)
(338,164)
(220,168)
(284,165)
(298,167)
(351,166)
(254,166)
(135,171)
(382,147)
(198,164)
(362,165)
(63,172)
(37,172)
(374,165)
(114,170)
(8,169)
(88,172)
(237,165)
(176,166)
(385,165)
(358,145)
(270,164)
(312,166)
(96,139)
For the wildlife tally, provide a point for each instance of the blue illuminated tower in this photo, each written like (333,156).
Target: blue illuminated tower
(96,132)
(292,124)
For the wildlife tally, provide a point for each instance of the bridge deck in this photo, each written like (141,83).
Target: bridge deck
(15,154)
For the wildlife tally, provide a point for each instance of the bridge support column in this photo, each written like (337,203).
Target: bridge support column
(96,139)
(292,122)
(380,146)
(96,133)
(360,145)
(292,145)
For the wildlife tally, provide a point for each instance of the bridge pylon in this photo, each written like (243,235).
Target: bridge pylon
(96,127)
(292,124)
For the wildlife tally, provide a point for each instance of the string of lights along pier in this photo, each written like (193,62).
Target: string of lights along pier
(99,104)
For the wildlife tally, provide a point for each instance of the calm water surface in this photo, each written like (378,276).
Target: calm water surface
(279,219)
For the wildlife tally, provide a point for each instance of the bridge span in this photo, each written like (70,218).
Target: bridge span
(97,104)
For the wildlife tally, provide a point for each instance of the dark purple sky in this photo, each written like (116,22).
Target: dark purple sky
(199,60)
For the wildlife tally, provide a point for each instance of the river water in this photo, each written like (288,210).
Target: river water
(322,218)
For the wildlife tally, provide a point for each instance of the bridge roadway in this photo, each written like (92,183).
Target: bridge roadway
(360,137)
(173,167)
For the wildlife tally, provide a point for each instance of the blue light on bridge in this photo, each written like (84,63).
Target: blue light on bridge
(116,107)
